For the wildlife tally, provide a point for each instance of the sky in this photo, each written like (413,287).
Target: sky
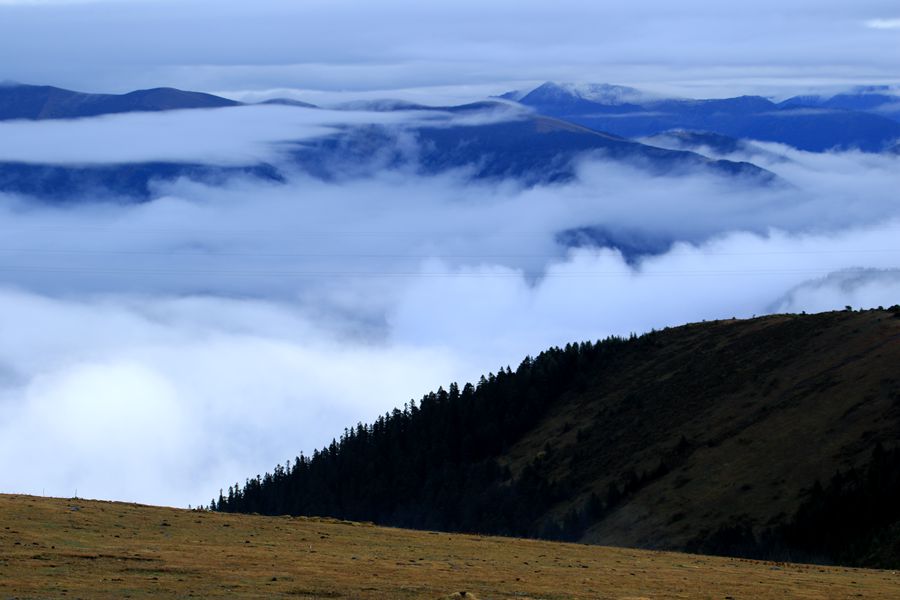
(159,351)
(458,49)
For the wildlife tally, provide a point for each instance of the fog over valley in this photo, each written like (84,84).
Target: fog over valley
(216,328)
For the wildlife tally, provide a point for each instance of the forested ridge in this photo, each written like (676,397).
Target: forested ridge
(604,442)
(432,464)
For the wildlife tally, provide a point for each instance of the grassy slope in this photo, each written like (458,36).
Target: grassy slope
(56,548)
(767,406)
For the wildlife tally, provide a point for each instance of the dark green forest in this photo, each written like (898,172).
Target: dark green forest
(433,464)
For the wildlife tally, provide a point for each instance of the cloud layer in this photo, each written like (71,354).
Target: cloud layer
(156,352)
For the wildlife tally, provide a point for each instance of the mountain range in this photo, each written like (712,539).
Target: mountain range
(527,147)
(539,138)
(516,144)
(880,99)
(817,124)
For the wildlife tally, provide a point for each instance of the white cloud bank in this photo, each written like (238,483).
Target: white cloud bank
(239,135)
(157,352)
(166,400)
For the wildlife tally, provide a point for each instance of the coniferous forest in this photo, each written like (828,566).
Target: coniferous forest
(433,464)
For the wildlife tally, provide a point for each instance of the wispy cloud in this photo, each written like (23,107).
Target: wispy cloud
(883,23)
(222,136)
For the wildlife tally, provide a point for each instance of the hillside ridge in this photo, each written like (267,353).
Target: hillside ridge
(709,437)
(40,102)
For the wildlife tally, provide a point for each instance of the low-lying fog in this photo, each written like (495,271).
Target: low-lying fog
(159,351)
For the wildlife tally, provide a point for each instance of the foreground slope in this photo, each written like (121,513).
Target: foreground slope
(770,437)
(55,548)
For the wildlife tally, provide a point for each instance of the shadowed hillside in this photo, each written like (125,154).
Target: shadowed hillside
(748,438)
(529,148)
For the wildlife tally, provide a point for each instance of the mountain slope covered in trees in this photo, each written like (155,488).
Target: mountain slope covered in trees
(774,437)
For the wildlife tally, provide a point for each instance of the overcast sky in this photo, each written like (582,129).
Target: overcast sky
(691,47)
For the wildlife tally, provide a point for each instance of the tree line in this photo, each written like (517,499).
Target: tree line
(433,464)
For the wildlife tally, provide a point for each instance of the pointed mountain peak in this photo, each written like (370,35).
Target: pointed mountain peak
(598,93)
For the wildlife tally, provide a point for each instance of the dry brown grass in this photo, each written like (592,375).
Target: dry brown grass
(57,548)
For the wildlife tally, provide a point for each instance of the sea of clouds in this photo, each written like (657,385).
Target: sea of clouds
(159,351)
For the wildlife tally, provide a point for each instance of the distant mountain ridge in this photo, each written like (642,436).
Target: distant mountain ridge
(880,99)
(809,123)
(36,102)
(530,148)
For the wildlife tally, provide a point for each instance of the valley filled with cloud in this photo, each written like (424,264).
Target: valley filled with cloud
(155,349)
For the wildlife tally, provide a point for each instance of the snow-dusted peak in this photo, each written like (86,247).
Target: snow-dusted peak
(605,93)
(598,93)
